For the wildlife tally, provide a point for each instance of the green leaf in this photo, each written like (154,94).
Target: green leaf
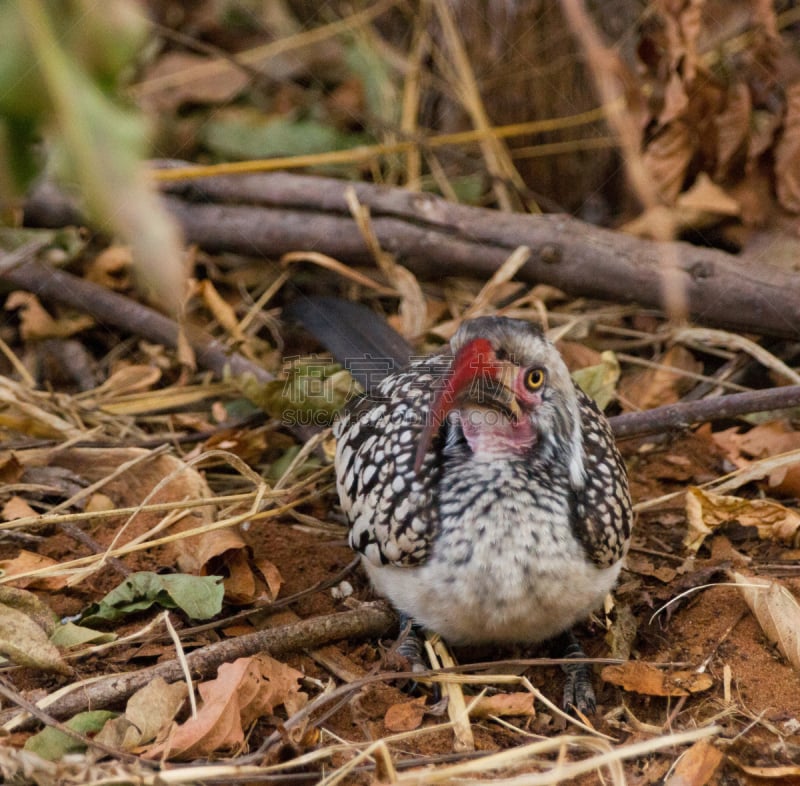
(600,381)
(246,135)
(71,635)
(25,623)
(312,393)
(199,597)
(380,91)
(53,745)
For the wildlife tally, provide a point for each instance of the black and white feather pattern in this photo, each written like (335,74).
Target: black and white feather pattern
(396,513)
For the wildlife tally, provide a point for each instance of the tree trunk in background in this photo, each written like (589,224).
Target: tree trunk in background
(528,67)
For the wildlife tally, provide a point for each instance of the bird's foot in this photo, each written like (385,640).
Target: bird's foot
(410,646)
(578,691)
(412,649)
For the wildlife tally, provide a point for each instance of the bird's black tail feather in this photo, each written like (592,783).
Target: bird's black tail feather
(357,337)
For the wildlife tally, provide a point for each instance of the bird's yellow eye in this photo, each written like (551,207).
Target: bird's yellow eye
(534,378)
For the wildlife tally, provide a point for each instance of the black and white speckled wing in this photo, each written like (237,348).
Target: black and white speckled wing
(390,507)
(603,510)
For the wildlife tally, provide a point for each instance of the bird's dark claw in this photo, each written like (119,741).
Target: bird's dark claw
(410,646)
(578,691)
(412,649)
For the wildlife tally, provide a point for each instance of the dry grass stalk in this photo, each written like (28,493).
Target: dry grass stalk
(608,72)
(261,54)
(439,656)
(760,468)
(498,159)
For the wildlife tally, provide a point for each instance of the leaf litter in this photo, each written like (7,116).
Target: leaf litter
(197,510)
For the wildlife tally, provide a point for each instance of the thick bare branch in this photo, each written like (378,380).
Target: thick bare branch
(273,213)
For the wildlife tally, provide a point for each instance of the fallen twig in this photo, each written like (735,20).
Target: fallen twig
(275,213)
(111,308)
(372,619)
(685,414)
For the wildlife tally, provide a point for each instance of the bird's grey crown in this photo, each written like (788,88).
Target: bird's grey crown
(514,339)
(573,481)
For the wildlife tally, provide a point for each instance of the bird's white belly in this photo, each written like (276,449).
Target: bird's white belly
(505,593)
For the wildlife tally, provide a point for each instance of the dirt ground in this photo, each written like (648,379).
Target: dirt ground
(754,697)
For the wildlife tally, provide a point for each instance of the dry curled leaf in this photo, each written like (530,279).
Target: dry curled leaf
(787,154)
(147,715)
(762,441)
(706,511)
(644,678)
(36,322)
(777,612)
(501,704)
(243,691)
(697,766)
(111,268)
(406,715)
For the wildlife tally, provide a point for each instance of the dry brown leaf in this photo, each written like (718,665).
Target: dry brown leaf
(36,323)
(225,553)
(130,379)
(637,563)
(640,677)
(17,508)
(10,468)
(706,511)
(697,765)
(148,714)
(777,612)
(271,575)
(705,196)
(246,443)
(27,561)
(111,268)
(577,355)
(406,715)
(25,627)
(733,126)
(654,387)
(242,692)
(185,351)
(214,88)
(701,206)
(667,157)
(787,154)
(676,102)
(766,439)
(763,127)
(502,704)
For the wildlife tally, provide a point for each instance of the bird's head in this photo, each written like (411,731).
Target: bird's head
(508,393)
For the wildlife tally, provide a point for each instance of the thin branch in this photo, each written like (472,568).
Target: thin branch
(684,414)
(111,308)
(369,620)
